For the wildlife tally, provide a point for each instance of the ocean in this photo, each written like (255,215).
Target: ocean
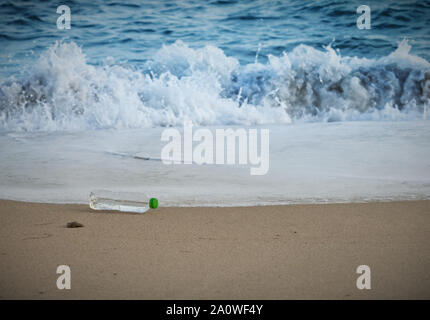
(346,107)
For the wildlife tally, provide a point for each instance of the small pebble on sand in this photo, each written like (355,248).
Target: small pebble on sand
(74,224)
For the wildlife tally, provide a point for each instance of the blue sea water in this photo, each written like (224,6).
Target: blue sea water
(133,31)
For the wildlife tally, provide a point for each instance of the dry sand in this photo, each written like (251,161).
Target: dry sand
(273,252)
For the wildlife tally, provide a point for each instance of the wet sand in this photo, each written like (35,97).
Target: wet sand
(270,252)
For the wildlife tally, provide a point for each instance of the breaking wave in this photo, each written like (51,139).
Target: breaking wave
(62,91)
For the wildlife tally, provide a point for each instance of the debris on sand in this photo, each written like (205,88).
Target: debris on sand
(74,224)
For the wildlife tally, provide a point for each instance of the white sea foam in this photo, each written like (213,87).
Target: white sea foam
(62,91)
(309,162)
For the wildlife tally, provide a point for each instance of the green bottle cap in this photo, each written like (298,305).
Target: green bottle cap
(153,203)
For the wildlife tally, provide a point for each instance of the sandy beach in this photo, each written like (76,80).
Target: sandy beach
(270,252)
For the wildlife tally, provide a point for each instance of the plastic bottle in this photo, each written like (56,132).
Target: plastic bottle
(121,201)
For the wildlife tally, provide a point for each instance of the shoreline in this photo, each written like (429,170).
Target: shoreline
(260,204)
(297,251)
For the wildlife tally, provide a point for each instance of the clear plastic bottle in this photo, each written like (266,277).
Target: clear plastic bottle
(121,201)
